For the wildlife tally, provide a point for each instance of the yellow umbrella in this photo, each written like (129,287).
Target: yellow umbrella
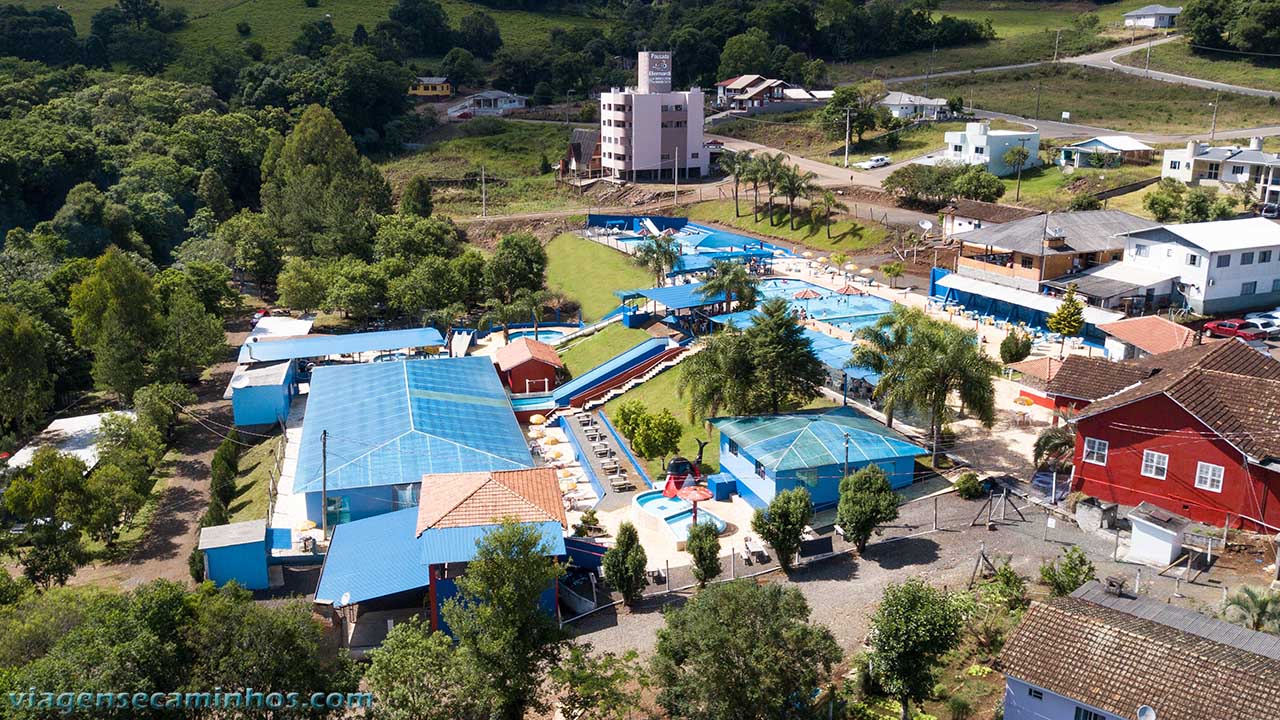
(1024,401)
(865,271)
(556,454)
(850,267)
(308,525)
(553,440)
(807,253)
(822,259)
(565,474)
(536,433)
(537,419)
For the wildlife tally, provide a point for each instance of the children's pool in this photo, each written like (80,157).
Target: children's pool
(546,335)
(654,511)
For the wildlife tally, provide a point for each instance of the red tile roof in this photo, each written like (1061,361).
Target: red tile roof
(483,498)
(1151,333)
(1117,662)
(522,350)
(1043,369)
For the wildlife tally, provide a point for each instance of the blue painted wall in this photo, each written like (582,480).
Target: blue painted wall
(246,564)
(447,588)
(824,489)
(361,502)
(263,404)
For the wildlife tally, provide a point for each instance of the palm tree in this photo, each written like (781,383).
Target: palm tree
(794,183)
(829,204)
(497,312)
(892,271)
(719,376)
(754,174)
(733,280)
(1055,444)
(530,303)
(1254,608)
(657,255)
(739,166)
(771,169)
(882,349)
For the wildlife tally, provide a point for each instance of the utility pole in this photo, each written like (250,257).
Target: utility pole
(846,136)
(928,74)
(1147,69)
(675,175)
(1056,38)
(846,454)
(324,484)
(1038,83)
(1213,129)
(484,196)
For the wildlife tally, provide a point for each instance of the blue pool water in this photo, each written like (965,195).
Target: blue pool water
(682,521)
(655,503)
(532,402)
(844,311)
(543,334)
(676,513)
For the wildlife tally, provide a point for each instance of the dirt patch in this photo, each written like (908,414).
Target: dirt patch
(485,233)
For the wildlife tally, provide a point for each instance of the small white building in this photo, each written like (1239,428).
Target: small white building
(1157,534)
(76,436)
(489,102)
(978,144)
(906,106)
(1218,267)
(1225,167)
(649,131)
(1152,16)
(963,215)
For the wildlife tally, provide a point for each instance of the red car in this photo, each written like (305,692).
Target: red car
(1235,327)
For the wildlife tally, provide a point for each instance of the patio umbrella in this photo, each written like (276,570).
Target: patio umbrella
(694,494)
(807,253)
(308,525)
(866,271)
(822,259)
(1024,401)
(849,290)
(850,267)
(536,433)
(556,454)
(565,474)
(553,440)
(807,294)
(537,419)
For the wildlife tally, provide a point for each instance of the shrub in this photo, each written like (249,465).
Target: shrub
(1070,572)
(1084,201)
(1016,346)
(939,691)
(195,564)
(311,3)
(969,487)
(1073,499)
(959,709)
(254,50)
(624,564)
(215,515)
(629,416)
(704,547)
(243,28)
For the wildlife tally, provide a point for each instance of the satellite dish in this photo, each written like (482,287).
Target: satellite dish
(346,600)
(1146,712)
(925,225)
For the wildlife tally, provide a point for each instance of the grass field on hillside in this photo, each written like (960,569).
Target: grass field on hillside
(1132,203)
(1104,99)
(511,156)
(659,394)
(592,350)
(1048,188)
(252,486)
(848,236)
(589,273)
(1177,58)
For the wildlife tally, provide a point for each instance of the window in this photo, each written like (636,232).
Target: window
(1154,464)
(1264,256)
(1174,164)
(1213,171)
(1246,258)
(1209,477)
(694,156)
(957,148)
(1141,250)
(1193,260)
(1224,261)
(1083,714)
(807,478)
(1095,451)
(1275,285)
(979,150)
(1237,169)
(733,448)
(760,469)
(1035,693)
(1249,288)
(404,496)
(1027,262)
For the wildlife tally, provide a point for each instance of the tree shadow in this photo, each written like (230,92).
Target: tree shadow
(897,554)
(836,567)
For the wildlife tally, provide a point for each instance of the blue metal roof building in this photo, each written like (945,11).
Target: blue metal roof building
(353,574)
(674,297)
(322,345)
(608,369)
(770,453)
(391,423)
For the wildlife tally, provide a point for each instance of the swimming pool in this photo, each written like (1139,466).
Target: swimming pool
(546,335)
(654,511)
(532,402)
(844,311)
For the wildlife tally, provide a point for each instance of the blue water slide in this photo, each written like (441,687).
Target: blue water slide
(609,369)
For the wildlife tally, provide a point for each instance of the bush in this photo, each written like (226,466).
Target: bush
(1016,346)
(969,487)
(1084,201)
(243,28)
(939,691)
(704,547)
(195,564)
(1073,499)
(311,3)
(215,515)
(624,564)
(254,50)
(483,127)
(222,485)
(959,709)
(1064,576)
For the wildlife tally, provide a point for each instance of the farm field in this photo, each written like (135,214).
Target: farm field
(589,272)
(847,235)
(1178,58)
(1104,99)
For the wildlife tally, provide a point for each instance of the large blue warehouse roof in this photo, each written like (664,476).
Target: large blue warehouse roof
(321,345)
(814,439)
(394,422)
(373,558)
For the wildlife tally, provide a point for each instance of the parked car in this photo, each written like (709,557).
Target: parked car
(1271,210)
(876,161)
(1235,327)
(1266,315)
(1266,325)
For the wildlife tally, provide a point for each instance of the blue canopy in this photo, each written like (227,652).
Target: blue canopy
(321,345)
(676,297)
(373,558)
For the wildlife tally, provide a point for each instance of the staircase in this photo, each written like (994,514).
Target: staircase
(650,374)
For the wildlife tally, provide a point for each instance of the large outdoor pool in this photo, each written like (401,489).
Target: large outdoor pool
(654,511)
(848,312)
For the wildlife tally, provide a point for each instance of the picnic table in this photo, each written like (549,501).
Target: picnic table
(754,546)
(619,483)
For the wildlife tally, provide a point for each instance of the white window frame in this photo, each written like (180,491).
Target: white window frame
(1206,474)
(1091,450)
(1156,462)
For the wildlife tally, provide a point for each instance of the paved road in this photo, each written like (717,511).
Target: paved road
(1107,60)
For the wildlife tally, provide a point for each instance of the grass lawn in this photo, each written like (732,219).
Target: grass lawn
(1177,58)
(253,484)
(847,235)
(1048,188)
(1132,202)
(592,350)
(589,272)
(510,157)
(1101,98)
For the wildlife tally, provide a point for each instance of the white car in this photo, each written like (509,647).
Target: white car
(1266,325)
(877,161)
(1268,315)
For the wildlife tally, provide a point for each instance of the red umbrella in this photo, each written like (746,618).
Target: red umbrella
(694,494)
(849,290)
(807,294)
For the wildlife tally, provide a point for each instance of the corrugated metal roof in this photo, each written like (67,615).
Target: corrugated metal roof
(372,558)
(321,345)
(395,422)
(240,533)
(680,297)
(1087,231)
(814,439)
(595,375)
(450,545)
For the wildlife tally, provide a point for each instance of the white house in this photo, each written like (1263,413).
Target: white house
(978,144)
(964,215)
(489,102)
(649,131)
(1225,167)
(1105,151)
(1219,267)
(1152,16)
(905,106)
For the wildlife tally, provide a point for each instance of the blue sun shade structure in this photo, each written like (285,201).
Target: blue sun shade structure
(373,558)
(322,345)
(394,422)
(804,440)
(675,297)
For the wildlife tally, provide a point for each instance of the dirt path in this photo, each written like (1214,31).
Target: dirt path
(162,552)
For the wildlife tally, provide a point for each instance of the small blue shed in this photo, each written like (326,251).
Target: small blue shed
(813,449)
(261,393)
(238,552)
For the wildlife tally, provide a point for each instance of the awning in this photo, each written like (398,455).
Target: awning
(1023,298)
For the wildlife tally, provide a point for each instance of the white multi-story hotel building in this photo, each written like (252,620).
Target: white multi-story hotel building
(647,132)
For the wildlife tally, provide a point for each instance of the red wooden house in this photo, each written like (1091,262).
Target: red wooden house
(528,366)
(1198,434)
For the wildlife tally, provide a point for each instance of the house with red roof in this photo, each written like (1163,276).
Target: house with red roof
(1194,431)
(528,366)
(1138,337)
